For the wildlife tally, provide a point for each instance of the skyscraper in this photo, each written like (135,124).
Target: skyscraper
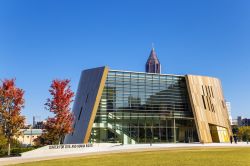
(229,109)
(153,64)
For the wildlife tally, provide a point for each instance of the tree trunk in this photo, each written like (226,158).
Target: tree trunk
(61,137)
(8,148)
(59,142)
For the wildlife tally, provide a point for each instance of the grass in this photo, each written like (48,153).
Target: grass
(186,157)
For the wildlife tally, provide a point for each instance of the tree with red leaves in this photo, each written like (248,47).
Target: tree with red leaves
(61,124)
(11,103)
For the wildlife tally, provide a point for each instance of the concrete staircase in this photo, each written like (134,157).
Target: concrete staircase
(118,130)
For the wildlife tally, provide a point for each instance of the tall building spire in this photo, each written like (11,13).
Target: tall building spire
(153,64)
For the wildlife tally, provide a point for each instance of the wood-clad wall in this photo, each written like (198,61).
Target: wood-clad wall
(209,107)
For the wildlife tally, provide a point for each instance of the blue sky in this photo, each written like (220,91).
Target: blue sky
(44,40)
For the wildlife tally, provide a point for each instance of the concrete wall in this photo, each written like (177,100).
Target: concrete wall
(86,104)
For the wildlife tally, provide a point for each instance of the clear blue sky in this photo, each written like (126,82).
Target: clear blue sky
(44,40)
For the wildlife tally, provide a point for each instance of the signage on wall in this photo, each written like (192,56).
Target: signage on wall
(70,146)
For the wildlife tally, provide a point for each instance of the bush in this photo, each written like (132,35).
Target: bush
(16,151)
(3,152)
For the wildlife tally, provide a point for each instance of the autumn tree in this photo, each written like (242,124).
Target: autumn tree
(11,103)
(61,124)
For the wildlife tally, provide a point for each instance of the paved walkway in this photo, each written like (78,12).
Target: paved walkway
(98,149)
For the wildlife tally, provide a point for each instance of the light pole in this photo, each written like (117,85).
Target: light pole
(31,135)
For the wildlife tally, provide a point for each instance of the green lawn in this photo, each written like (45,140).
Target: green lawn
(190,157)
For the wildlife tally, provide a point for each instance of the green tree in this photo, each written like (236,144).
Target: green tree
(244,133)
(3,140)
(235,130)
(3,143)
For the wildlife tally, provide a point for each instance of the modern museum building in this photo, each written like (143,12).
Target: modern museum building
(113,106)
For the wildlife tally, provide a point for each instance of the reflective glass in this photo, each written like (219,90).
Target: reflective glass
(144,108)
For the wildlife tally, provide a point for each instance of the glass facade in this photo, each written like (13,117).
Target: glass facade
(144,108)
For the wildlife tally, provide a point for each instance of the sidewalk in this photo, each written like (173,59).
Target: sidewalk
(97,149)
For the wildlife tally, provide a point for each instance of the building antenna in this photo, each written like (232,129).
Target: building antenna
(153,46)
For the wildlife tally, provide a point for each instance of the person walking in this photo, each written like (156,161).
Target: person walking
(235,139)
(231,139)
